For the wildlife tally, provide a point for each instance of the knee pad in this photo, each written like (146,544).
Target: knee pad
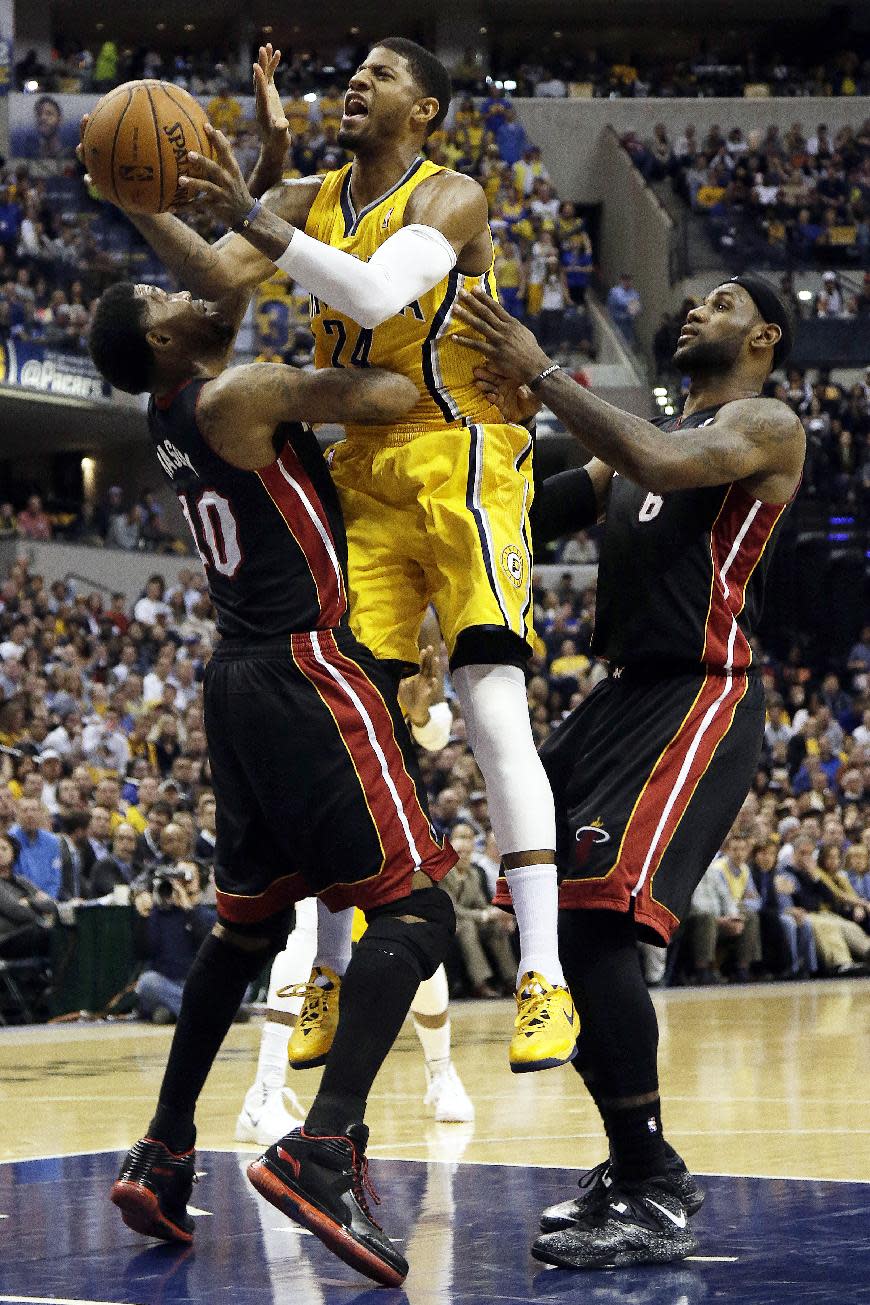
(421,943)
(264,939)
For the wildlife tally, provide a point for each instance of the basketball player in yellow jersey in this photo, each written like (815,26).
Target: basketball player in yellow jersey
(436,508)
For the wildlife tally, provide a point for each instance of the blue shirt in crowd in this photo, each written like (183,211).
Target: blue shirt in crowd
(40,859)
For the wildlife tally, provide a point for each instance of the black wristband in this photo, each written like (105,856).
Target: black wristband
(542,376)
(242,225)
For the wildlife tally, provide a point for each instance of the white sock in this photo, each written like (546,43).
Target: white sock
(272,1062)
(333,938)
(521,808)
(430,1004)
(536,905)
(289,968)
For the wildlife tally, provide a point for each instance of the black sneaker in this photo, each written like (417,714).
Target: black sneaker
(596,1185)
(642,1223)
(153,1189)
(322,1183)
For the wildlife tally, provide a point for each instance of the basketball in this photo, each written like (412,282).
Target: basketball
(136,141)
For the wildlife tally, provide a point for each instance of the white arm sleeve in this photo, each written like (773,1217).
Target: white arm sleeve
(406,266)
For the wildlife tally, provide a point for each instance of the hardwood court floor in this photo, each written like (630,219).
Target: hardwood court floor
(767,1081)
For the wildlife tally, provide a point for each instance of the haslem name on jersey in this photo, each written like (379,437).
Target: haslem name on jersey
(172,459)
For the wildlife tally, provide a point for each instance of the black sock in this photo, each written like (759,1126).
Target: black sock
(636,1141)
(376,995)
(599,954)
(213,993)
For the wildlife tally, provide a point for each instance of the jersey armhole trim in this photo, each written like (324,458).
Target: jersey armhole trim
(164,401)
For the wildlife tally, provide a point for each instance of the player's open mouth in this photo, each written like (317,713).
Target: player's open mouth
(688,333)
(355,106)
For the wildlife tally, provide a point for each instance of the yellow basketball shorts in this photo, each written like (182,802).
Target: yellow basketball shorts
(438,517)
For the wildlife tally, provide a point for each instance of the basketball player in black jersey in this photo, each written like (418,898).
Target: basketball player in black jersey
(314,773)
(650,771)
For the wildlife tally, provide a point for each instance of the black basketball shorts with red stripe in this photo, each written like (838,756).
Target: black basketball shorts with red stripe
(648,775)
(315,779)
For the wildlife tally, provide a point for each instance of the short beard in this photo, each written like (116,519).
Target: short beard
(707,358)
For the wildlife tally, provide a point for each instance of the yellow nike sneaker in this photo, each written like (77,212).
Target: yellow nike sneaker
(315,1028)
(547,1026)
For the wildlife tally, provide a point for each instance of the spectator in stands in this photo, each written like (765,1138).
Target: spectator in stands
(148,850)
(72,836)
(510,135)
(577,263)
(39,849)
(555,298)
(8,522)
(660,154)
(482,931)
(224,111)
(715,918)
(33,522)
(840,942)
(170,942)
(624,306)
(106,66)
(26,913)
(792,924)
(580,550)
(151,604)
(121,868)
(830,301)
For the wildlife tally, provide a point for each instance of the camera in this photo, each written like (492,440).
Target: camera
(163,881)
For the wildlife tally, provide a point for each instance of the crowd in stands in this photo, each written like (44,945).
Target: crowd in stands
(49,266)
(105,791)
(798,197)
(558,70)
(59,246)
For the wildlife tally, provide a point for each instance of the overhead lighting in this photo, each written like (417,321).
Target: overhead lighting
(660,389)
(31,86)
(558,35)
(669,411)
(267,29)
(310,97)
(510,86)
(805,296)
(190,27)
(483,31)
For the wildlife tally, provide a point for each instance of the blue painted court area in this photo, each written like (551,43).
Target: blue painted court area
(466,1230)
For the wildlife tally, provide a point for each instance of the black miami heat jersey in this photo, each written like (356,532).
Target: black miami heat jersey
(272,541)
(681,576)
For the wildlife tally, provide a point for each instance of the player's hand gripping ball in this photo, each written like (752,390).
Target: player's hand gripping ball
(136,141)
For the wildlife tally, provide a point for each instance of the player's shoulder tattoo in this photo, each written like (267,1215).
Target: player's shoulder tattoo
(764,420)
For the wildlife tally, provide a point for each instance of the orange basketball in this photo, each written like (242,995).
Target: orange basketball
(136,141)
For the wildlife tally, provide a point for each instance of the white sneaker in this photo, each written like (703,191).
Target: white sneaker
(264,1119)
(446,1098)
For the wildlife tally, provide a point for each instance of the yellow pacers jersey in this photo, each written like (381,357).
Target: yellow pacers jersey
(418,342)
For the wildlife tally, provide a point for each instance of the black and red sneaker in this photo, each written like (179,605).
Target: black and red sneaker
(323,1183)
(153,1189)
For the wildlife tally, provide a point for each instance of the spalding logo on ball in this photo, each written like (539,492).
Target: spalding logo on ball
(136,142)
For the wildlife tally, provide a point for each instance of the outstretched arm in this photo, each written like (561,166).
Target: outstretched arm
(239,410)
(448,219)
(751,439)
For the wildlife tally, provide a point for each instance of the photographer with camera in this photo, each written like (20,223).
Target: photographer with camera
(171,929)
